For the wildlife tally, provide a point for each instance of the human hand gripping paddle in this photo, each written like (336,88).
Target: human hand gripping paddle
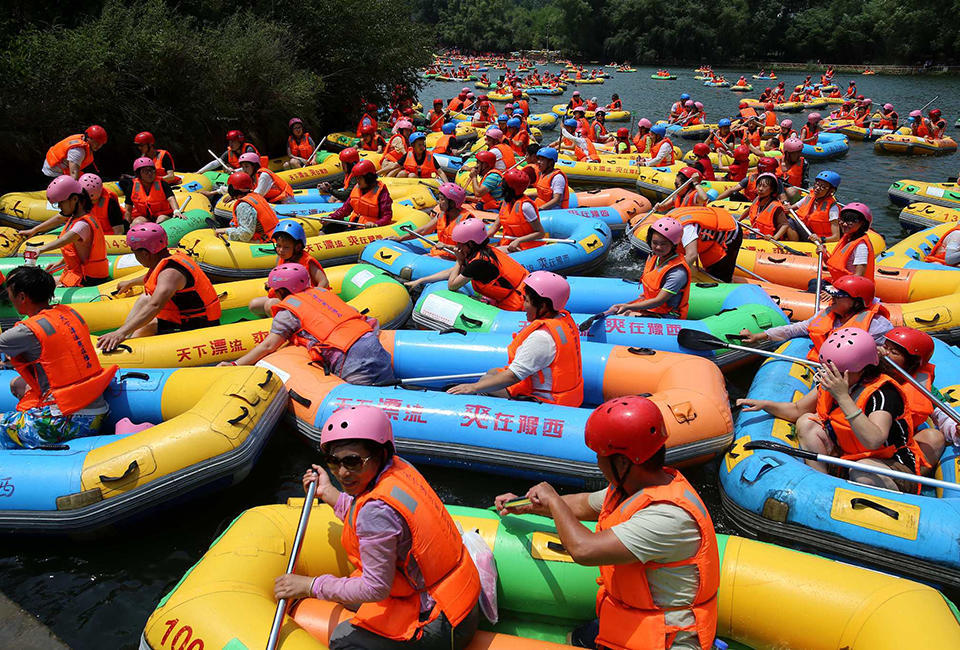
(779,244)
(220,160)
(704,341)
(669,198)
(216,230)
(316,149)
(291,563)
(433,244)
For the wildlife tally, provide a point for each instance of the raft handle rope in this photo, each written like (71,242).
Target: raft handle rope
(131,468)
(266,381)
(134,375)
(237,420)
(120,348)
(299,399)
(213,225)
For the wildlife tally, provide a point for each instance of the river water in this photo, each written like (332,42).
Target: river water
(98,593)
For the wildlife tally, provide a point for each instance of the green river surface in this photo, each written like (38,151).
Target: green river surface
(99,593)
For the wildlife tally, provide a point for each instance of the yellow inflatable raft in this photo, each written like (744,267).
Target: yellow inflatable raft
(912,145)
(612,116)
(925,215)
(724,160)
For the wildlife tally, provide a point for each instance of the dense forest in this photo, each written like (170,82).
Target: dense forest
(664,31)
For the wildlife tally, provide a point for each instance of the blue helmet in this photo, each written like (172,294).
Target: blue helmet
(549,153)
(514,123)
(518,112)
(659,129)
(503,117)
(417,136)
(570,123)
(684,97)
(724,122)
(449,128)
(292,229)
(830,177)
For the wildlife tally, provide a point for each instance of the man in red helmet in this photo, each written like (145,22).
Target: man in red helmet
(647,517)
(74,153)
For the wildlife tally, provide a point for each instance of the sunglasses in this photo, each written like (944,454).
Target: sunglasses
(849,218)
(350,462)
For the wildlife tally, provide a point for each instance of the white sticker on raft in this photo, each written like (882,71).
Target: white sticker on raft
(441,309)
(282,374)
(934,191)
(127,261)
(361,278)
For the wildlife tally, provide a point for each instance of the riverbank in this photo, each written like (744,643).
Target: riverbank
(900,70)
(19,629)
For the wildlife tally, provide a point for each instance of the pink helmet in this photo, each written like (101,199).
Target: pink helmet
(404,124)
(147,235)
(888,107)
(699,105)
(454,193)
(294,120)
(292,277)
(92,183)
(850,349)
(551,286)
(793,144)
(645,123)
(470,230)
(916,114)
(143,162)
(464,90)
(62,188)
(867,102)
(471,96)
(814,118)
(786,124)
(689,103)
(250,157)
(357,423)
(860,208)
(494,134)
(669,228)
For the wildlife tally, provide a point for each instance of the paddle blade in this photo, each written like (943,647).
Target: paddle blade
(211,223)
(587,324)
(770,445)
(700,341)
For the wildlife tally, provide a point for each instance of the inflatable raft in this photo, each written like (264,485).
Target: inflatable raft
(741,88)
(829,146)
(912,145)
(226,599)
(507,436)
(907,191)
(911,252)
(205,430)
(663,77)
(612,116)
(773,494)
(916,216)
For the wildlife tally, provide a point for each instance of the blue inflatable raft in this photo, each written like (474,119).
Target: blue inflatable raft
(829,145)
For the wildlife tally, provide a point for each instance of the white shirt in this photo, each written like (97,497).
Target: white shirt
(559,184)
(690,234)
(499,165)
(951,244)
(264,184)
(535,355)
(861,255)
(663,150)
(529,212)
(74,155)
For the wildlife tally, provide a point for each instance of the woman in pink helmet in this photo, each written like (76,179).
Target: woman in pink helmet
(857,412)
(415,583)
(444,219)
(146,197)
(666,275)
(106,206)
(299,145)
(268,184)
(544,357)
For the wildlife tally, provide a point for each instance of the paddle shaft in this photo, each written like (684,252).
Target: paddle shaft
(409,229)
(316,149)
(220,160)
(466,375)
(651,210)
(291,563)
(792,251)
(186,203)
(949,410)
(751,273)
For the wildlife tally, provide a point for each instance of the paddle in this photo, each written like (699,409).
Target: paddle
(549,240)
(770,445)
(704,341)
(307,161)
(430,242)
(220,160)
(291,563)
(587,324)
(213,224)
(184,206)
(651,210)
(949,410)
(770,239)
(751,273)
(466,375)
(816,239)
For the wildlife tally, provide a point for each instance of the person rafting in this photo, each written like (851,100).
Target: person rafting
(889,119)
(711,239)
(947,249)
(516,136)
(81,241)
(661,151)
(74,153)
(544,357)
(688,191)
(443,220)
(598,128)
(853,304)
(856,412)
(60,381)
(918,125)
(622,142)
(162,160)
(937,125)
(810,132)
(819,210)
(746,188)
(643,140)
(583,128)
(369,118)
(506,159)
(666,276)
(290,240)
(348,158)
(300,146)
(676,109)
(615,103)
(414,582)
(740,167)
(105,206)
(518,217)
(176,291)
(853,253)
(766,213)
(793,168)
(571,136)
(371,140)
(702,164)
(396,148)
(553,190)
(722,140)
(418,162)
(436,117)
(654,542)
(268,184)
(369,204)
(489,189)
(494,276)
(253,217)
(147,198)
(336,335)
(237,145)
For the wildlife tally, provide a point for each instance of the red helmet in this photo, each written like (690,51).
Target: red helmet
(688,172)
(631,426)
(701,150)
(371,107)
(768,106)
(914,342)
(935,113)
(240,181)
(367,129)
(854,286)
(487,158)
(516,180)
(363,168)
(623,132)
(350,155)
(96,133)
(741,153)
(517,93)
(235,135)
(766,164)
(144,137)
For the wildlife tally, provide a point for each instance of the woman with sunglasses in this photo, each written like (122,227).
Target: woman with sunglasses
(853,254)
(336,335)
(415,584)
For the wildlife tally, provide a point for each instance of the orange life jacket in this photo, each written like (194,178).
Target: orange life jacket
(688,198)
(583,127)
(68,359)
(198,299)
(670,158)
(57,154)
(750,189)
(545,192)
(615,105)
(300,148)
(642,141)
(919,404)
(101,208)
(595,124)
(794,173)
(449,574)
(150,204)
(487,201)
(266,218)
(629,617)
(374,144)
(435,120)
(720,141)
(763,219)
(444,230)
(523,105)
(506,290)
(366,205)
(809,135)
(715,229)
(566,372)
(836,262)
(280,190)
(939,254)
(443,143)
(326,317)
(825,322)
(455,105)
(579,153)
(847,440)
(921,130)
(748,112)
(514,224)
(652,280)
(506,153)
(519,142)
(425,169)
(770,119)
(158,162)
(816,214)
(233,158)
(96,267)
(365,120)
(394,152)
(306,260)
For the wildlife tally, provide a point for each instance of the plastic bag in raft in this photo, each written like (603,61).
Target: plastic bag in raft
(487,568)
